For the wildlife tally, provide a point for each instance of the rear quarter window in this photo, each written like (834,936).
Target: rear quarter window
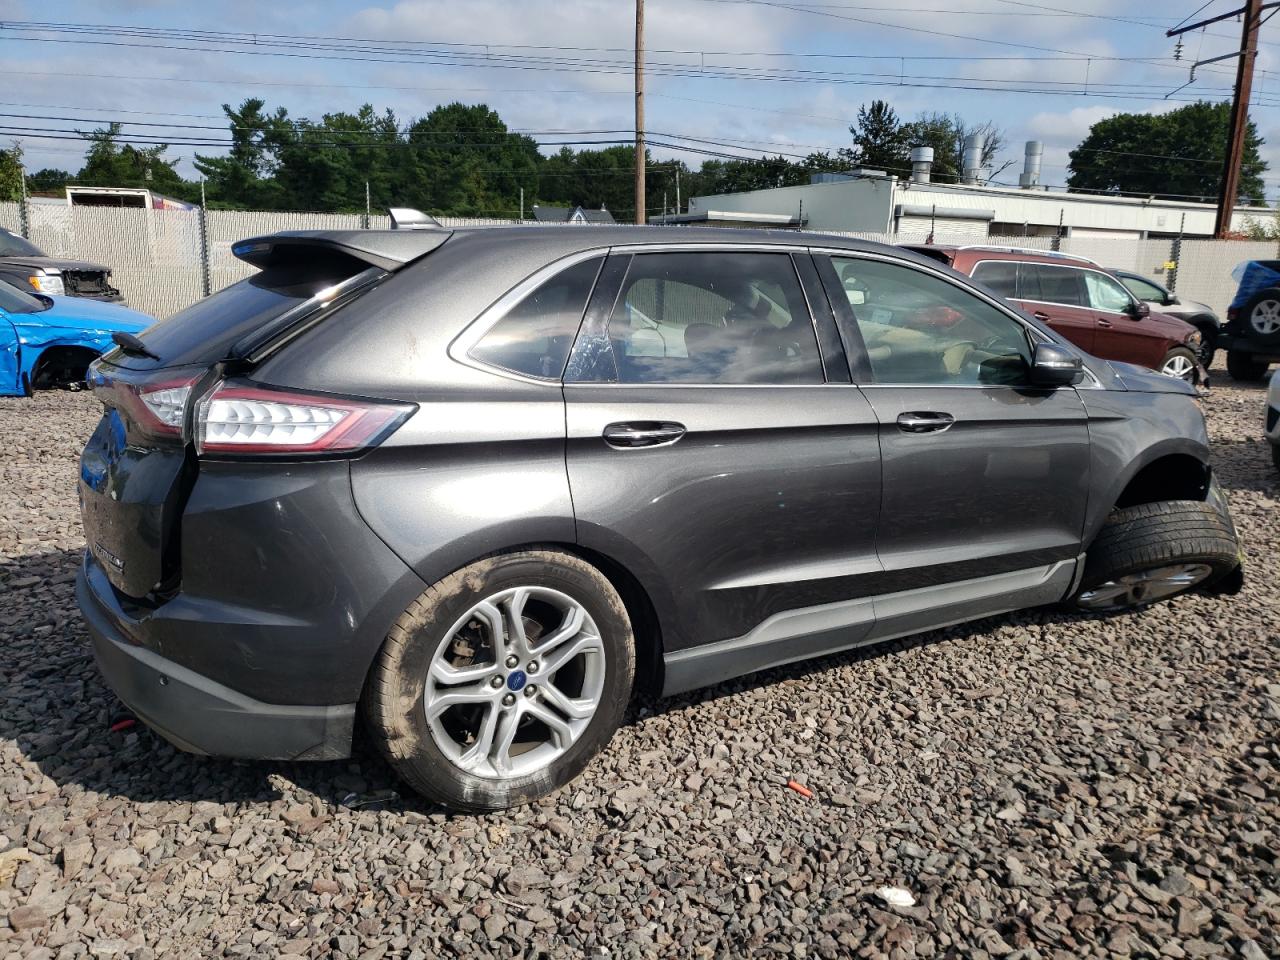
(534,337)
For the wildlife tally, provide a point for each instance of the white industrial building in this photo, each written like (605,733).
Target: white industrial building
(870,201)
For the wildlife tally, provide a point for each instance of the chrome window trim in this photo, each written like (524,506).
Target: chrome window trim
(460,348)
(1032,331)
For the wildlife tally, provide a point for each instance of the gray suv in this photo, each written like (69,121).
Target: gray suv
(1165,301)
(478,487)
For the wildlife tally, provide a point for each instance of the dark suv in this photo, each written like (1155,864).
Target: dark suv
(26,266)
(1085,303)
(475,486)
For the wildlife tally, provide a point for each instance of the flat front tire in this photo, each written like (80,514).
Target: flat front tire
(500,683)
(1154,551)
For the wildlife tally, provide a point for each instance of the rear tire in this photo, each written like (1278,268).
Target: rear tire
(1155,551)
(1244,368)
(479,716)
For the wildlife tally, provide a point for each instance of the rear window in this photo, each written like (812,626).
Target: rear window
(207,330)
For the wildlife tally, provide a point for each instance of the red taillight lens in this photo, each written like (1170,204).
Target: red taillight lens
(157,410)
(255,421)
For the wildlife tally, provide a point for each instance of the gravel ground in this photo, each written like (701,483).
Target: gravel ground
(1044,785)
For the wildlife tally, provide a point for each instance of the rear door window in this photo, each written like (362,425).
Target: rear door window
(1064,285)
(534,336)
(714,318)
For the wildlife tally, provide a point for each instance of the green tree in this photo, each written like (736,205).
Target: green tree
(48,180)
(880,140)
(11,173)
(111,164)
(245,176)
(946,134)
(1175,155)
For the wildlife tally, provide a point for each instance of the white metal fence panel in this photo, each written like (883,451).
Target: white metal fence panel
(11,216)
(153,255)
(1204,269)
(1147,257)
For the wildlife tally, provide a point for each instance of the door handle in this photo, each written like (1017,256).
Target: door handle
(642,433)
(1105,324)
(1042,316)
(924,422)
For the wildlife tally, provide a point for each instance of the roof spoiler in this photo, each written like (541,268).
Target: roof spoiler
(385,249)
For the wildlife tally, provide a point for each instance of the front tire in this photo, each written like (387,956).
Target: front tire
(1244,368)
(1180,363)
(500,683)
(1155,551)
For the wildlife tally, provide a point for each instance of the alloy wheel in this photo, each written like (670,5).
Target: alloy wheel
(1183,368)
(515,682)
(1146,586)
(1265,318)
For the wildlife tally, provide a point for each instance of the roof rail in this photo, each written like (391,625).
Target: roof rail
(999,248)
(407,218)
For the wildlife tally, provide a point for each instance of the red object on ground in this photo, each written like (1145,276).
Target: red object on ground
(124,724)
(801,789)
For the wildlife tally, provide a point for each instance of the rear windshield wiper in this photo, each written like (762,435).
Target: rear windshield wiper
(132,345)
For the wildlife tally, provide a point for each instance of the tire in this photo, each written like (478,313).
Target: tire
(1154,551)
(1208,336)
(1262,317)
(442,632)
(1180,362)
(1244,368)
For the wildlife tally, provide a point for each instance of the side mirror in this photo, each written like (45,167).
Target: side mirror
(1171,300)
(45,299)
(1139,309)
(1055,366)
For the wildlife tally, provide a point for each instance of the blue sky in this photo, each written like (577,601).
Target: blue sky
(835,54)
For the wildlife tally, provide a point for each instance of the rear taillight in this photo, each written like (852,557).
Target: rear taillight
(255,421)
(158,410)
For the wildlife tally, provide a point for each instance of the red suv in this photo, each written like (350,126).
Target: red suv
(1084,303)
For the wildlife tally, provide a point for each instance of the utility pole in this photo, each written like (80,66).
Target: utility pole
(1248,53)
(640,218)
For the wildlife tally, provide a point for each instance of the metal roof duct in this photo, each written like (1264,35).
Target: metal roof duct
(1030,177)
(971,165)
(921,164)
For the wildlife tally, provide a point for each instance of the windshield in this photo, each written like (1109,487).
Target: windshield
(13,300)
(12,245)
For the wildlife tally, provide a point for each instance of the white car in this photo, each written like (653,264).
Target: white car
(1273,417)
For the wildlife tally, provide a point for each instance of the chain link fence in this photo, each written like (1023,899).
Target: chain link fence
(165,260)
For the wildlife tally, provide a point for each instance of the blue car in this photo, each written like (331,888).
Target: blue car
(50,341)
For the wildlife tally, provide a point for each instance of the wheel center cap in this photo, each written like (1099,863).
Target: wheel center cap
(516,680)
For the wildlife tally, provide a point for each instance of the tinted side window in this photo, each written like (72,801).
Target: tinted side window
(713,318)
(534,337)
(919,328)
(1063,285)
(1106,293)
(1144,289)
(1000,276)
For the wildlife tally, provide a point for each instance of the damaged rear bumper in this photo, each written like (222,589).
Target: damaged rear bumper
(195,713)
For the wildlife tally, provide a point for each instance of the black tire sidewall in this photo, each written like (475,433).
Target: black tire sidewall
(434,773)
(1242,367)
